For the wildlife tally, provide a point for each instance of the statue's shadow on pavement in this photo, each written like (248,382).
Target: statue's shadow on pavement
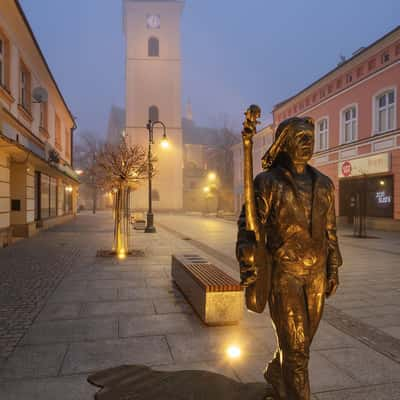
(137,382)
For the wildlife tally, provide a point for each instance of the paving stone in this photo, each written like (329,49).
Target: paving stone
(63,388)
(34,362)
(212,344)
(160,283)
(365,365)
(83,295)
(116,283)
(328,337)
(71,331)
(156,325)
(393,331)
(149,293)
(110,308)
(53,311)
(170,306)
(88,357)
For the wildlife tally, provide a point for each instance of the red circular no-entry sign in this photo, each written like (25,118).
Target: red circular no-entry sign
(346,168)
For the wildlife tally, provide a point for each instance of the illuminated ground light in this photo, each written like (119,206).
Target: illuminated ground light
(122,255)
(233,352)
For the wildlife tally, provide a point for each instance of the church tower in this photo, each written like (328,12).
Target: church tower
(153,91)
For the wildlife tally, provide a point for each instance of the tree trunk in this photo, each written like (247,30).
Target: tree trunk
(121,222)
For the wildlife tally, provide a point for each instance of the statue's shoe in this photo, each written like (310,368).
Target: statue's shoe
(274,379)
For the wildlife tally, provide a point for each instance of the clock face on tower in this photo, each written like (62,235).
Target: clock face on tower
(153,21)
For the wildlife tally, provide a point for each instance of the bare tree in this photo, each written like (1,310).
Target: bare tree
(122,169)
(86,150)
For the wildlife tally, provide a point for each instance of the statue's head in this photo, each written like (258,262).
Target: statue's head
(298,143)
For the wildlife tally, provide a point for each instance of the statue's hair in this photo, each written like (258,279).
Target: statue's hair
(285,128)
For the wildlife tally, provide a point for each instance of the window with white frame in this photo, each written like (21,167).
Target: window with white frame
(349,124)
(2,62)
(385,111)
(25,88)
(322,134)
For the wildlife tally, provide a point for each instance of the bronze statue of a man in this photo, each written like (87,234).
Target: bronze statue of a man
(295,208)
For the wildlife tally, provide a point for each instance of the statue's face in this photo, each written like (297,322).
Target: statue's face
(300,146)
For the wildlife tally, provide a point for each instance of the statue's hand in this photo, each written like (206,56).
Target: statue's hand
(333,282)
(248,272)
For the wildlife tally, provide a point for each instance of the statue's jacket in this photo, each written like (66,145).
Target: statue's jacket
(293,240)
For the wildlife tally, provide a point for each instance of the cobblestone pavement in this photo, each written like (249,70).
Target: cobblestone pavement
(30,270)
(106,312)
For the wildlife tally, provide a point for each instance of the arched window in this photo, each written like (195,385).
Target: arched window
(153,47)
(153,113)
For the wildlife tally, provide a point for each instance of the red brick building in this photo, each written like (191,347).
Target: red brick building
(356,107)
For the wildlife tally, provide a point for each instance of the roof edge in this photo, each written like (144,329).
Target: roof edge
(283,102)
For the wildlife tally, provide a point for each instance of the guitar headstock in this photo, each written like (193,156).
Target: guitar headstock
(250,123)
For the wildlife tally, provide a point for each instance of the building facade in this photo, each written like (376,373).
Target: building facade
(37,184)
(356,109)
(153,91)
(261,142)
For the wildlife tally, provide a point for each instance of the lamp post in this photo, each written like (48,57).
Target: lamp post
(150,228)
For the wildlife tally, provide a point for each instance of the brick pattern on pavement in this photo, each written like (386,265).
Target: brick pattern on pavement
(29,271)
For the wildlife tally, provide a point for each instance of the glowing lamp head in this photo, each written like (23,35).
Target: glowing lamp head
(382,183)
(233,352)
(164,142)
(79,172)
(206,189)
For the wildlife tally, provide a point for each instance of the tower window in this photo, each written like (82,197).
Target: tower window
(153,113)
(154,47)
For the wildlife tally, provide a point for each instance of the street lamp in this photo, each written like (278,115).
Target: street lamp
(150,228)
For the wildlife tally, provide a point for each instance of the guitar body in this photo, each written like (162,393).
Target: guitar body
(257,294)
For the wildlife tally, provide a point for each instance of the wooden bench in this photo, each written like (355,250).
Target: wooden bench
(215,296)
(6,236)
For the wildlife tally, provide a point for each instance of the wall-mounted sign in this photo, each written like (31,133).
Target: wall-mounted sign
(376,164)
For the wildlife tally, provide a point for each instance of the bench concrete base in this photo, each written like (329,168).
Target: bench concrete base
(216,307)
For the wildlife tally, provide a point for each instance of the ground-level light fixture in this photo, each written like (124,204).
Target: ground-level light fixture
(212,176)
(233,352)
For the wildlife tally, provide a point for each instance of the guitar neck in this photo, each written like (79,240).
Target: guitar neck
(249,197)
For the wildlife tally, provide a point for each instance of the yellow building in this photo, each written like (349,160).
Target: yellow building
(38,186)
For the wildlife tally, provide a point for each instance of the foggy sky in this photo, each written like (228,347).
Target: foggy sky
(234,52)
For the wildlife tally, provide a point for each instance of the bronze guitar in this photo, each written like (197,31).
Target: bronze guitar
(257,293)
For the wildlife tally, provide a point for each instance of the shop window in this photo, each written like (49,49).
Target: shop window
(322,134)
(385,111)
(370,196)
(25,87)
(153,113)
(153,47)
(349,124)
